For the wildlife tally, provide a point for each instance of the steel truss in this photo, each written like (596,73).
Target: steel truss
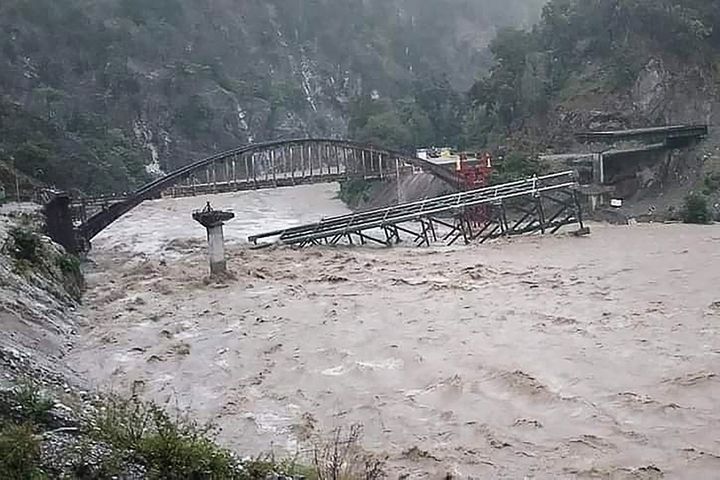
(539,204)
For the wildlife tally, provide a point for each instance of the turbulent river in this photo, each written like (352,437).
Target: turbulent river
(540,357)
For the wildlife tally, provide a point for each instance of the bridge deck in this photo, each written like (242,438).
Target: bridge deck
(624,152)
(669,132)
(270,164)
(226,187)
(273,181)
(535,204)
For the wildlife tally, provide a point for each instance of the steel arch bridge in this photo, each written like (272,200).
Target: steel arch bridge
(270,165)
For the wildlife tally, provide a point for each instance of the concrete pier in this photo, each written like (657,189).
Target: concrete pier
(213,221)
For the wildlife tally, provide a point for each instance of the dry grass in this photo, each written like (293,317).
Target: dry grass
(341,456)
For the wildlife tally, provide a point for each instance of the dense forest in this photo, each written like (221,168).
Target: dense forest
(101,95)
(98,95)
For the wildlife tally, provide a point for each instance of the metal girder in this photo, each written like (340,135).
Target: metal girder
(301,160)
(509,209)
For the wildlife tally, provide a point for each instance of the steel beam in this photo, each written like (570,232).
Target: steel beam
(515,208)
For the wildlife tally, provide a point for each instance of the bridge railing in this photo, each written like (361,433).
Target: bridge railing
(466,207)
(271,164)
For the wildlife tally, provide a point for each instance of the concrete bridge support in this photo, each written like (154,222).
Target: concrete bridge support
(216,250)
(213,221)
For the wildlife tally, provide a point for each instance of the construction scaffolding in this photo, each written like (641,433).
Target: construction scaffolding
(538,204)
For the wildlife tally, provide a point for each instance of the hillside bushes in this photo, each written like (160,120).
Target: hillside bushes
(696,210)
(24,412)
(617,37)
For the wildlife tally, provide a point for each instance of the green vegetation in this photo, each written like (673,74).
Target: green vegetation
(72,277)
(695,209)
(82,152)
(356,191)
(432,113)
(578,47)
(130,434)
(711,183)
(175,447)
(168,447)
(137,433)
(24,411)
(515,166)
(24,246)
(69,264)
(576,40)
(26,403)
(87,86)
(31,255)
(19,452)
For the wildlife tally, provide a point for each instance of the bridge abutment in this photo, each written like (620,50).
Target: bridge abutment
(59,222)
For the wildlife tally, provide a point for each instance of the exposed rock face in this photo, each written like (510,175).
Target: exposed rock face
(663,93)
(650,88)
(178,79)
(37,303)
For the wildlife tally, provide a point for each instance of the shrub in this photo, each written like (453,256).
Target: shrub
(355,191)
(268,467)
(19,452)
(169,448)
(515,166)
(342,457)
(23,245)
(26,404)
(23,411)
(72,277)
(106,462)
(711,183)
(175,447)
(695,209)
(184,450)
(68,264)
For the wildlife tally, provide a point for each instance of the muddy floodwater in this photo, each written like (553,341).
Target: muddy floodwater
(539,357)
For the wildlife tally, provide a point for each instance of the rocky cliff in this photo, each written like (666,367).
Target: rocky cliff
(610,65)
(100,95)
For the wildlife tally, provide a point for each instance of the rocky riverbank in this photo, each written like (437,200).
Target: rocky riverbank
(51,425)
(39,293)
(41,399)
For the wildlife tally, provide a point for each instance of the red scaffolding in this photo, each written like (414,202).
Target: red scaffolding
(473,175)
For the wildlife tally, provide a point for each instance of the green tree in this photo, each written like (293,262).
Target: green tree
(501,92)
(388,130)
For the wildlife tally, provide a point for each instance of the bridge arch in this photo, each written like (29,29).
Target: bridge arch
(273,164)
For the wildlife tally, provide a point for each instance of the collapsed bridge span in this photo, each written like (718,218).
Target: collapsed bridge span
(537,204)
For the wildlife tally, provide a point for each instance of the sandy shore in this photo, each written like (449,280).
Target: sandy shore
(545,357)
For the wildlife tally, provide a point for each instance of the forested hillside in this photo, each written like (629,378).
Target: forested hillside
(601,63)
(100,94)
